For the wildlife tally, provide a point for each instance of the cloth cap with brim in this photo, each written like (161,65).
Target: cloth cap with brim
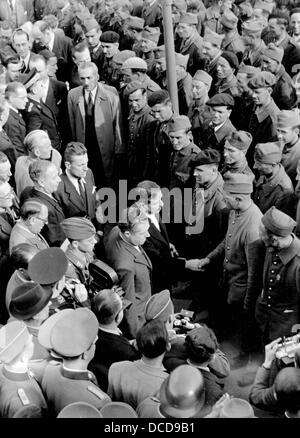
(159,306)
(231,58)
(181,60)
(182,393)
(237,408)
(89,24)
(135,63)
(188,18)
(134,86)
(75,333)
(288,119)
(221,99)
(47,326)
(207,156)
(13,338)
(120,57)
(204,77)
(159,52)
(240,140)
(273,52)
(229,20)
(252,27)
(249,70)
(264,6)
(79,410)
(238,183)
(78,228)
(213,37)
(179,123)
(48,266)
(109,37)
(118,410)
(151,33)
(28,79)
(278,223)
(136,23)
(268,153)
(28,300)
(180,5)
(263,79)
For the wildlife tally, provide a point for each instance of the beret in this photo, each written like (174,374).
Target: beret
(135,22)
(278,223)
(249,70)
(204,77)
(267,153)
(121,56)
(47,326)
(89,24)
(73,334)
(78,228)
(159,52)
(237,183)
(135,62)
(180,5)
(28,300)
(236,408)
(79,410)
(213,37)
(240,140)
(157,97)
(151,33)
(109,37)
(188,18)
(13,338)
(181,60)
(252,27)
(231,58)
(134,86)
(221,99)
(273,52)
(48,266)
(207,156)
(288,119)
(159,306)
(263,79)
(229,19)
(117,409)
(179,123)
(28,79)
(199,338)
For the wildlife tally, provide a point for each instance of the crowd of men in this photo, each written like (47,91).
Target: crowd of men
(87,281)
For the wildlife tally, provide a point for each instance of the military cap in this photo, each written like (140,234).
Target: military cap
(229,20)
(121,56)
(237,183)
(231,58)
(181,60)
(82,15)
(221,99)
(252,27)
(264,6)
(213,37)
(273,52)
(118,410)
(263,79)
(134,86)
(179,123)
(159,306)
(278,223)
(78,228)
(135,63)
(159,52)
(109,37)
(246,9)
(151,33)
(236,408)
(29,299)
(89,24)
(204,77)
(240,140)
(267,153)
(180,5)
(188,18)
(136,23)
(47,326)
(13,338)
(73,334)
(28,79)
(249,70)
(48,266)
(79,410)
(288,119)
(207,156)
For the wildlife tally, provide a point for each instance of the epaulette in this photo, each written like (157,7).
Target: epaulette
(23,397)
(97,392)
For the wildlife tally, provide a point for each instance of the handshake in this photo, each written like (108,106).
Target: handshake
(196,264)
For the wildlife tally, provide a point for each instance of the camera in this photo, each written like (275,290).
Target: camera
(182,323)
(286,349)
(102,277)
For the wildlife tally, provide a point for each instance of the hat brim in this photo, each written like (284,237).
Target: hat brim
(34,310)
(45,329)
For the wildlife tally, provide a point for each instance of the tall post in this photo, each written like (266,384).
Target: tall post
(170,53)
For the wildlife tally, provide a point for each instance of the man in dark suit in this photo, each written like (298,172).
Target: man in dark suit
(22,45)
(15,128)
(6,145)
(76,191)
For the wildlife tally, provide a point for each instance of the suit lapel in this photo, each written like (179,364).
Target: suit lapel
(71,191)
(50,200)
(156,234)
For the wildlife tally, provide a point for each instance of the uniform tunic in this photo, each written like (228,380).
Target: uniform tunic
(290,158)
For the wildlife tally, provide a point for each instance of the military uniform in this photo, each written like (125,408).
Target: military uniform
(185,95)
(235,44)
(254,56)
(290,158)
(152,14)
(284,93)
(179,164)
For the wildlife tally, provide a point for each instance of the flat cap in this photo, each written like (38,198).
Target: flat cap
(179,123)
(118,410)
(229,19)
(263,79)
(207,156)
(249,70)
(73,334)
(151,33)
(136,23)
(204,77)
(181,60)
(159,306)
(240,140)
(237,183)
(79,410)
(213,37)
(188,18)
(28,79)
(236,408)
(231,58)
(121,56)
(78,228)
(48,266)
(159,52)
(278,223)
(180,5)
(47,326)
(252,27)
(267,153)
(135,62)
(221,99)
(109,37)
(29,299)
(288,119)
(273,52)
(13,338)
(199,338)
(89,24)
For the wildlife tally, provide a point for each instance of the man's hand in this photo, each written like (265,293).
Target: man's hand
(192,264)
(80,292)
(270,351)
(173,250)
(217,407)
(99,215)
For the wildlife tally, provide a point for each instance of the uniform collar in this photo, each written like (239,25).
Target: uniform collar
(76,374)
(267,110)
(287,254)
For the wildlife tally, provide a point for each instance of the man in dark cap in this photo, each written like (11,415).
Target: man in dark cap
(251,35)
(274,263)
(232,41)
(235,148)
(110,45)
(227,66)
(92,32)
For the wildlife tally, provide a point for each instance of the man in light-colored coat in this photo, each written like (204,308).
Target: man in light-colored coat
(20,11)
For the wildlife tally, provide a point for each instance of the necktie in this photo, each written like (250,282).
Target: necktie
(82,189)
(90,104)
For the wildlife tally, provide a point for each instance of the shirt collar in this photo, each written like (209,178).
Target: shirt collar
(73,179)
(287,254)
(94,91)
(116,331)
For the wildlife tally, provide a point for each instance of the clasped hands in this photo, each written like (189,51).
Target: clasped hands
(196,264)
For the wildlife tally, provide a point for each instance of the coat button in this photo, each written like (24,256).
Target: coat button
(269,305)
(272,272)
(226,260)
(228,247)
